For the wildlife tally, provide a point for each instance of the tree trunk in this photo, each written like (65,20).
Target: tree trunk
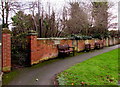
(3,20)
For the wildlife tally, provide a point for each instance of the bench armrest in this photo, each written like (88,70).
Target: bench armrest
(71,47)
(73,50)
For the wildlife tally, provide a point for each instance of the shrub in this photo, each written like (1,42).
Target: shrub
(19,49)
(6,31)
(80,37)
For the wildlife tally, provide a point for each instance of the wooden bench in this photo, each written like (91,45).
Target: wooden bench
(101,45)
(97,45)
(65,49)
(87,47)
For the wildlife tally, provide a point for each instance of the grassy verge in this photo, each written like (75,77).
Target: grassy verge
(99,70)
(7,77)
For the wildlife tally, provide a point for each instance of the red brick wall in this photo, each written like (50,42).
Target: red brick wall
(104,42)
(41,49)
(110,42)
(6,52)
(46,49)
(33,49)
(117,41)
(75,44)
(107,42)
(66,41)
(92,43)
(81,45)
(101,43)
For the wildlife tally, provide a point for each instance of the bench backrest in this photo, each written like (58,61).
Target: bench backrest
(63,47)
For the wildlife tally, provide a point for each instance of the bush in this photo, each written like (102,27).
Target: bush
(98,36)
(81,37)
(20,49)
(87,37)
(6,31)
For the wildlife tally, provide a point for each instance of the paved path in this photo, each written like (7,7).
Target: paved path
(47,72)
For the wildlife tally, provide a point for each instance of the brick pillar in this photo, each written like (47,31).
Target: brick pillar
(32,43)
(6,52)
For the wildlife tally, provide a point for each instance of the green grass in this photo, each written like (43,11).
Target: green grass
(99,70)
(7,77)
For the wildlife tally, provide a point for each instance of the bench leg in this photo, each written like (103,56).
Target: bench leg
(73,53)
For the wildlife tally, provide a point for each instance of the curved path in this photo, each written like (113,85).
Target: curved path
(46,73)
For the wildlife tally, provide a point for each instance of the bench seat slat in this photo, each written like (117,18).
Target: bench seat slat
(65,49)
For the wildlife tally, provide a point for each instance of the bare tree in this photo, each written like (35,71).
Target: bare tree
(6,7)
(78,21)
(5,12)
(103,17)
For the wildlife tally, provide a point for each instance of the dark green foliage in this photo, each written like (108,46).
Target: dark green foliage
(22,23)
(97,35)
(6,31)
(19,49)
(87,37)
(76,37)
(114,33)
(4,25)
(80,37)
(99,4)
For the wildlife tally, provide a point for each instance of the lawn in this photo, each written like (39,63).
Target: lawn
(99,70)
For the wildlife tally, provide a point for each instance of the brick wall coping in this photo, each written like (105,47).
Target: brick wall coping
(58,39)
(52,38)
